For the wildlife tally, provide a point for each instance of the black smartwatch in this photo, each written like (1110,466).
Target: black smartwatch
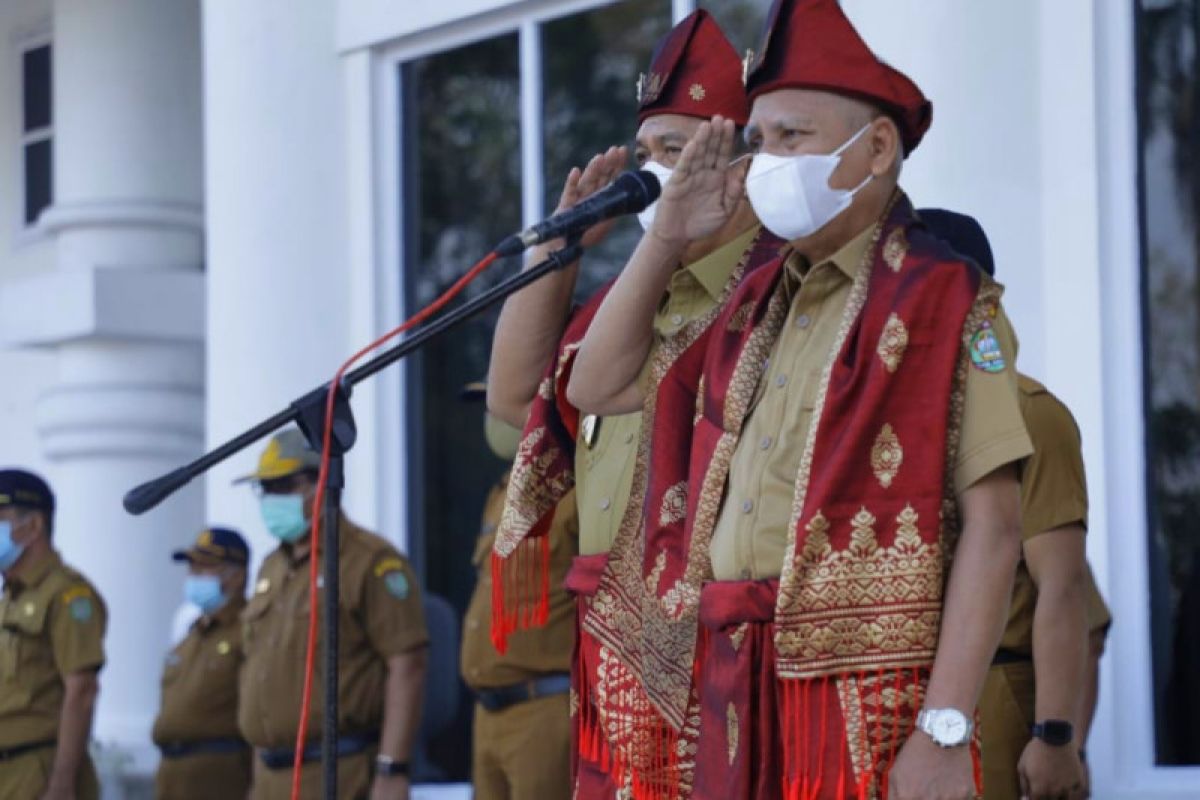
(390,767)
(1054,732)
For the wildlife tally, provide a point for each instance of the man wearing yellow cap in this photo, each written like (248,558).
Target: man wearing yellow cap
(382,649)
(521,738)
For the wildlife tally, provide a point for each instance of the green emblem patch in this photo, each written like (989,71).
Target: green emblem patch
(81,609)
(986,354)
(397,584)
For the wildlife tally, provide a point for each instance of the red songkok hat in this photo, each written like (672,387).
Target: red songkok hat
(810,44)
(695,71)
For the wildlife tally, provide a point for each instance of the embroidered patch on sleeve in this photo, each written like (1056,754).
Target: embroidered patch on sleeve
(986,354)
(81,609)
(397,584)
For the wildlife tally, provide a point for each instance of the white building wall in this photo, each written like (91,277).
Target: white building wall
(23,252)
(280,268)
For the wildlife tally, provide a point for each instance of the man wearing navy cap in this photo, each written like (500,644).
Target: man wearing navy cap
(203,753)
(52,624)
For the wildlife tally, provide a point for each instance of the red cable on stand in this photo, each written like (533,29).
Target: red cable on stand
(318,499)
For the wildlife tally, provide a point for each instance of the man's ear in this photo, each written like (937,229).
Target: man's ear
(884,140)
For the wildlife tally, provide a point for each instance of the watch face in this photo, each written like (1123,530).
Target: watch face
(949,727)
(1056,732)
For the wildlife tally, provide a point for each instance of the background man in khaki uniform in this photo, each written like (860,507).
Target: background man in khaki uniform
(1044,671)
(52,625)
(383,646)
(203,754)
(521,739)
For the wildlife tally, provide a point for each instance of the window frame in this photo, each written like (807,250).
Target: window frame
(41,36)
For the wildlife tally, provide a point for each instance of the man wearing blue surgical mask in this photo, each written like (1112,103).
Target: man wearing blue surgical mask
(382,652)
(203,754)
(52,624)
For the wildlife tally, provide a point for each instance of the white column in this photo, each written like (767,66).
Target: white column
(123,310)
(281,280)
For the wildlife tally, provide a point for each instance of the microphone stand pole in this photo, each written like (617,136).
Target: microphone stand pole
(308,413)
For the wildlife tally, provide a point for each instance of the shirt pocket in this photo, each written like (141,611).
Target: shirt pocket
(252,618)
(21,625)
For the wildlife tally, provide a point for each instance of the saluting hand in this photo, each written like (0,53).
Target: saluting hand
(703,191)
(583,183)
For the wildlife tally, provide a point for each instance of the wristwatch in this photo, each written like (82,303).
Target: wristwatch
(1054,732)
(948,727)
(389,767)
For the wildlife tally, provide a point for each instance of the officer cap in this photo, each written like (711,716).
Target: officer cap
(215,546)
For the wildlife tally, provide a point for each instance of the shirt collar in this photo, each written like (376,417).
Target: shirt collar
(33,574)
(848,259)
(713,270)
(225,614)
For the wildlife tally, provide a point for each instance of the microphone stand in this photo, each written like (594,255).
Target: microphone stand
(308,413)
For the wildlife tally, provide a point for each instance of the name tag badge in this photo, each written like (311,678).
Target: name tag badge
(589,428)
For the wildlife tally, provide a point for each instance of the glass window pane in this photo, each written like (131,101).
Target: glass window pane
(591,62)
(38,179)
(742,20)
(1169,97)
(35,72)
(462,194)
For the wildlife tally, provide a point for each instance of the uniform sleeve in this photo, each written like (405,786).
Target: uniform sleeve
(77,623)
(993,432)
(1053,486)
(394,616)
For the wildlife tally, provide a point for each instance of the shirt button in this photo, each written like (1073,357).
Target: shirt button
(629,438)
(472,624)
(765,444)
(803,321)
(747,574)
(747,506)
(677,319)
(781,381)
(605,504)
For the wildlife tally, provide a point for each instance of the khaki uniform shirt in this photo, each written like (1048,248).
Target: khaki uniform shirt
(52,624)
(751,532)
(530,653)
(381,617)
(607,448)
(200,680)
(1053,494)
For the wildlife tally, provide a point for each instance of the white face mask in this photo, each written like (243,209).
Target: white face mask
(646,215)
(791,194)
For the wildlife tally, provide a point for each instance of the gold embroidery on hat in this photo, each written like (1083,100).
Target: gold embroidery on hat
(697,92)
(747,63)
(886,456)
(649,87)
(892,343)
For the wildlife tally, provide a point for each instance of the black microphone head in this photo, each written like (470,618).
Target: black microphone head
(641,187)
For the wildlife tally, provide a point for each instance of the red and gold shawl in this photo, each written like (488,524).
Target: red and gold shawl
(542,475)
(644,612)
(873,522)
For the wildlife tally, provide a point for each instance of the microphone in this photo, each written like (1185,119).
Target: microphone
(630,193)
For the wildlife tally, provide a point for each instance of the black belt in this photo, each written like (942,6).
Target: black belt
(1006,656)
(211,746)
(9,753)
(506,696)
(285,757)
